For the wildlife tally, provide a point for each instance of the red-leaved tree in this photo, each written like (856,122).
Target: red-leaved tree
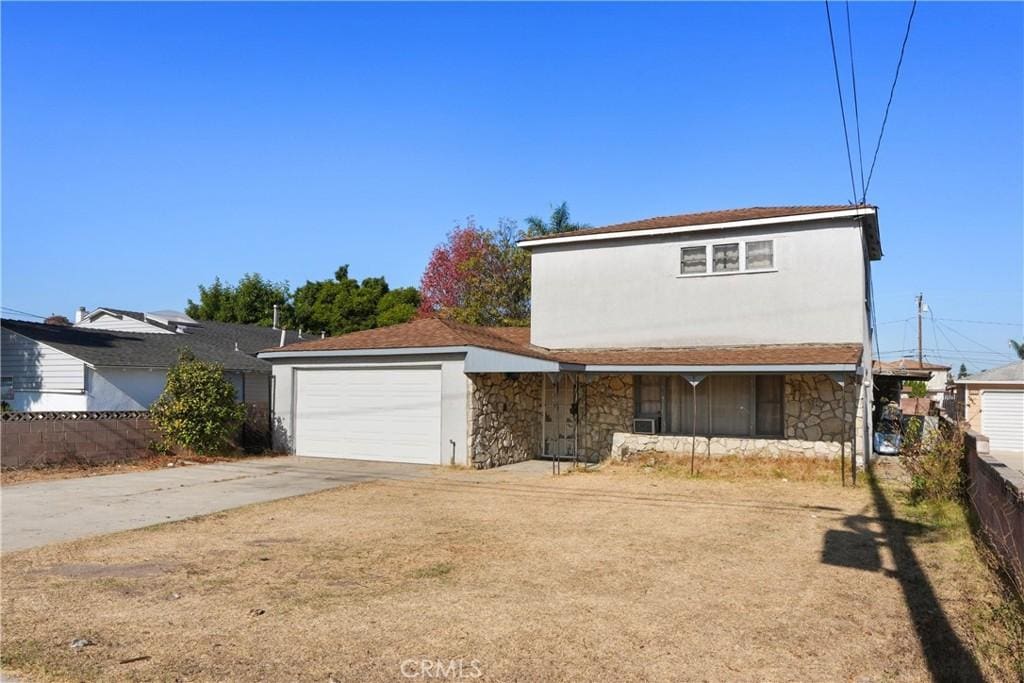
(450,274)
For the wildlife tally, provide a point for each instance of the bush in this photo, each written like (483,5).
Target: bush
(934,461)
(197,409)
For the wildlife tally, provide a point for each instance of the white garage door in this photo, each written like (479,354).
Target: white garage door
(391,414)
(1002,419)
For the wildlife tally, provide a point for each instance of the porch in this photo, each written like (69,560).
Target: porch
(590,416)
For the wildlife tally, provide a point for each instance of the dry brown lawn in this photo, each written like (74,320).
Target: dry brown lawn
(620,574)
(74,470)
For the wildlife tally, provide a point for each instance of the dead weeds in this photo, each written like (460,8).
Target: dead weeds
(616,575)
(10,477)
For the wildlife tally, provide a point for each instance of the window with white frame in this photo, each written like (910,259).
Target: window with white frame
(727,257)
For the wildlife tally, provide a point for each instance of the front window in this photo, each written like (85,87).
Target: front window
(693,260)
(760,255)
(720,405)
(731,257)
(726,257)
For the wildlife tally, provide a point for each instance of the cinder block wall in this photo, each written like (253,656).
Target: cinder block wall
(74,438)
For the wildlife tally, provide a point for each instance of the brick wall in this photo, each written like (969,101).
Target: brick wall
(38,439)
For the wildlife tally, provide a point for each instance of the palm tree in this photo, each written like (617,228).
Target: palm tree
(1018,348)
(559,222)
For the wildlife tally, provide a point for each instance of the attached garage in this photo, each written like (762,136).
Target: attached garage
(1002,419)
(390,413)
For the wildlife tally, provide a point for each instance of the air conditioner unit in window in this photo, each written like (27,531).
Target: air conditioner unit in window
(646,425)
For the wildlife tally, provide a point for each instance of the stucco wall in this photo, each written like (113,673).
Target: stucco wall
(628,293)
(454,395)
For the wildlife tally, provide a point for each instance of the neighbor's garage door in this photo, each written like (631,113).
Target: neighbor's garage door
(1002,419)
(391,414)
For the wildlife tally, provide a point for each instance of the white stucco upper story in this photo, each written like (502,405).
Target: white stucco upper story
(778,283)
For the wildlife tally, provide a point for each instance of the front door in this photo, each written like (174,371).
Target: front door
(559,417)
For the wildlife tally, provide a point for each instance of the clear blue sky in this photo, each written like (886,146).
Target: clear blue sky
(150,147)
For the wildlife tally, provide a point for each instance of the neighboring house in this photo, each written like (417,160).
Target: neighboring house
(749,328)
(908,370)
(118,360)
(992,402)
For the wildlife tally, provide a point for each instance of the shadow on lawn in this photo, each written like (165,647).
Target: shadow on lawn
(948,659)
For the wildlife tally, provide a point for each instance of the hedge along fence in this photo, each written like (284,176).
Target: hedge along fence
(98,437)
(92,438)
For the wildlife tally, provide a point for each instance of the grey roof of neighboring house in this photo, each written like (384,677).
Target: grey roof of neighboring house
(1014,372)
(250,338)
(111,348)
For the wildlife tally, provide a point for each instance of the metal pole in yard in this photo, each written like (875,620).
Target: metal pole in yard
(853,449)
(693,439)
(576,421)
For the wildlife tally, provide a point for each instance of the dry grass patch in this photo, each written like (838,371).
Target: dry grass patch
(735,468)
(612,575)
(74,470)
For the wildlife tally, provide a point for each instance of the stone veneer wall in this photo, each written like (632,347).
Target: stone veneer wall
(818,409)
(607,409)
(504,421)
(626,445)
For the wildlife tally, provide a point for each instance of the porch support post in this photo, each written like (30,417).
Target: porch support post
(841,381)
(543,414)
(694,380)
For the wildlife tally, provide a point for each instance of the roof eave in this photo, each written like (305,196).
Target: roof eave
(865,213)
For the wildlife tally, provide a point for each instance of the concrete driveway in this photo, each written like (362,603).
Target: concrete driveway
(51,511)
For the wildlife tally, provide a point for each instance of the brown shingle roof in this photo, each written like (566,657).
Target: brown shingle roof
(763,354)
(706,217)
(439,333)
(906,364)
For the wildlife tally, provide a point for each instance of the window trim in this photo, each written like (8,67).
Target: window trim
(709,252)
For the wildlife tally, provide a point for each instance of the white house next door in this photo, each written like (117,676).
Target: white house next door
(374,413)
(1002,419)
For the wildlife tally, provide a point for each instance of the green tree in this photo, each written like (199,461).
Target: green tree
(1018,348)
(345,305)
(398,306)
(918,389)
(500,284)
(250,302)
(198,409)
(559,222)
(962,372)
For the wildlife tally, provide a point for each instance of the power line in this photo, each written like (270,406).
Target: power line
(981,322)
(892,91)
(842,107)
(893,322)
(15,310)
(856,106)
(976,343)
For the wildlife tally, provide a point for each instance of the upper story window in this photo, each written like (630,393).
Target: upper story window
(727,257)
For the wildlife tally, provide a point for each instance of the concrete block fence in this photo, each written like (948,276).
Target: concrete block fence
(41,439)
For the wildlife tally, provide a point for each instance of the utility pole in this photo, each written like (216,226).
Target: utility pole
(920,350)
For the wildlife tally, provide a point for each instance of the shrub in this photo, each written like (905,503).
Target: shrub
(918,389)
(934,460)
(197,409)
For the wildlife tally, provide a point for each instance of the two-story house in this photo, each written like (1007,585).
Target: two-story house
(744,331)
